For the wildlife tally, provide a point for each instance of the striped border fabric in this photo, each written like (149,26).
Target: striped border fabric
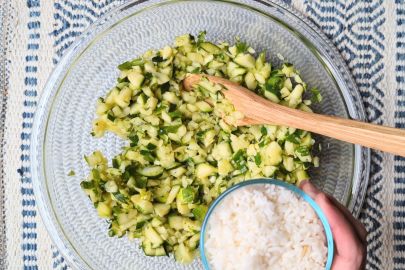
(35,34)
(5,32)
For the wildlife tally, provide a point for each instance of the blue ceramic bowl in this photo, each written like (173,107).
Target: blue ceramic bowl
(268,181)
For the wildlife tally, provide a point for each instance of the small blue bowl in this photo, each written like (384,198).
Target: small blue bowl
(269,181)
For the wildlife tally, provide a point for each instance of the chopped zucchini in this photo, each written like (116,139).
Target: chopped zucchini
(182,148)
(151,171)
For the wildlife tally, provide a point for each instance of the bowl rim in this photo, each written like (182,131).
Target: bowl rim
(268,181)
(84,41)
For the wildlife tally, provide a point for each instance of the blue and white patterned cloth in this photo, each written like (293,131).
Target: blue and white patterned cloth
(34,34)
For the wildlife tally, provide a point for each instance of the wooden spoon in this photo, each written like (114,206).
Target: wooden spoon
(258,111)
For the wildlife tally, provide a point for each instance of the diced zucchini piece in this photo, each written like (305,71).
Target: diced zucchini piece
(210,47)
(160,251)
(250,81)
(182,208)
(147,248)
(136,79)
(153,237)
(191,225)
(224,167)
(152,171)
(204,106)
(301,175)
(204,170)
(288,163)
(183,254)
(271,96)
(172,194)
(199,212)
(144,206)
(104,210)
(176,222)
(245,60)
(161,209)
(192,243)
(178,172)
(222,151)
(272,154)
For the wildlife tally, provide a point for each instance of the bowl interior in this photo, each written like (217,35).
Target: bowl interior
(261,182)
(63,122)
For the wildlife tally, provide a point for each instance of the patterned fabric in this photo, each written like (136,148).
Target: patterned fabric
(34,35)
(4,35)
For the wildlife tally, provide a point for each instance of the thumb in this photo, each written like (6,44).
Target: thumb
(310,189)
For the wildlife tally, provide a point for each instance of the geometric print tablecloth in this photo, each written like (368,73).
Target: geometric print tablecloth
(34,34)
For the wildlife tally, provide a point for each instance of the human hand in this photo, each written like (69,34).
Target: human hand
(349,234)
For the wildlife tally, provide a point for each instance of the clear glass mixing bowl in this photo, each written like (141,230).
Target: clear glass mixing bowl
(62,125)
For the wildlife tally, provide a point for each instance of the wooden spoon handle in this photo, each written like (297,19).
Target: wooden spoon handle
(382,138)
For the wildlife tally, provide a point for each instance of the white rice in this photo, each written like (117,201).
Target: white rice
(265,227)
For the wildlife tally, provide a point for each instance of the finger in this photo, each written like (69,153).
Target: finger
(346,238)
(360,230)
(347,243)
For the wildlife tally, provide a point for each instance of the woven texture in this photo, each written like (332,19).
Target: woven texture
(34,34)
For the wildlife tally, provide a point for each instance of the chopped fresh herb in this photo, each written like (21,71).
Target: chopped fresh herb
(71,173)
(168,129)
(147,155)
(115,163)
(299,133)
(263,142)
(130,171)
(134,140)
(258,159)
(200,134)
(199,212)
(187,195)
(175,114)
(111,117)
(140,224)
(116,210)
(157,59)
(196,70)
(274,85)
(160,107)
(129,64)
(120,197)
(165,87)
(172,107)
(316,95)
(303,150)
(92,133)
(95,174)
(263,130)
(307,165)
(151,146)
(147,76)
(276,73)
(201,37)
(141,182)
(239,160)
(241,47)
(124,79)
(292,138)
(87,184)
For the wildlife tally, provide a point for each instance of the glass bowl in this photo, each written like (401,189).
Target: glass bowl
(268,181)
(62,124)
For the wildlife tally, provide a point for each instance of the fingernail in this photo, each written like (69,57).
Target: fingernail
(302,183)
(310,189)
